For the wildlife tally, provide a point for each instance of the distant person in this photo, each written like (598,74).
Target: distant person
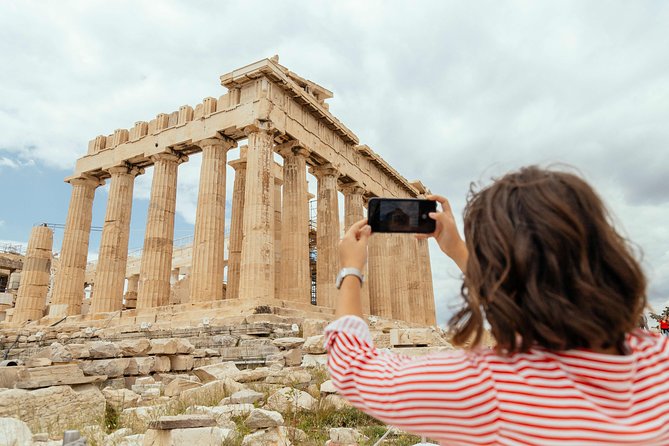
(562,294)
(664,326)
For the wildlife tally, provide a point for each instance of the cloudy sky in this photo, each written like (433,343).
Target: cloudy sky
(447,92)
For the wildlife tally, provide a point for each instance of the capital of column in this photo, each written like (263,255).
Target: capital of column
(125,169)
(86,180)
(224,142)
(292,148)
(261,126)
(169,156)
(352,189)
(326,170)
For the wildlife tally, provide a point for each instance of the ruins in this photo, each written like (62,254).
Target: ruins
(179,343)
(269,262)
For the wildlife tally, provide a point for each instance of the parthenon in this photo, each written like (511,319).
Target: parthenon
(267,110)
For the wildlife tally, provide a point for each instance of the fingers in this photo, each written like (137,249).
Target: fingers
(355,228)
(445,204)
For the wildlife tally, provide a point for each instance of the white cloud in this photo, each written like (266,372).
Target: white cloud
(446,92)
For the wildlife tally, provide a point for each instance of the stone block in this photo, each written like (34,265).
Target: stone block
(251,375)
(216,371)
(181,363)
(288,398)
(178,385)
(292,376)
(314,345)
(120,399)
(135,347)
(400,337)
(162,364)
(14,432)
(111,367)
(346,436)
(225,340)
(38,362)
(200,436)
(55,375)
(163,347)
(288,343)
(141,365)
(293,357)
(313,327)
(328,387)
(210,393)
(79,351)
(314,360)
(246,396)
(262,419)
(168,422)
(103,349)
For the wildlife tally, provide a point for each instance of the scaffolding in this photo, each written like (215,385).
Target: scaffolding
(313,254)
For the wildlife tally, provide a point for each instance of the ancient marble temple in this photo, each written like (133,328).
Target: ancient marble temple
(268,110)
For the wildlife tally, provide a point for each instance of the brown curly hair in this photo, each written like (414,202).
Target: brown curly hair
(546,267)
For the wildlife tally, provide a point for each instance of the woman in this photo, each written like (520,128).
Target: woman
(562,294)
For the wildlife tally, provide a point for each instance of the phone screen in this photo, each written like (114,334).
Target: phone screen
(401,215)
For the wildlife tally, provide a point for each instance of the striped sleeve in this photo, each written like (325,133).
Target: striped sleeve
(448,395)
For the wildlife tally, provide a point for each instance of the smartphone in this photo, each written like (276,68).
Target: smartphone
(401,215)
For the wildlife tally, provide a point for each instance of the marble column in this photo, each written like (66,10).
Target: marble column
(379,265)
(399,297)
(208,270)
(256,279)
(131,292)
(156,264)
(427,289)
(278,205)
(353,212)
(296,285)
(236,225)
(414,288)
(327,235)
(31,297)
(68,290)
(113,259)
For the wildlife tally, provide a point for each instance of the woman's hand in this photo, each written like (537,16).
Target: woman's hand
(446,233)
(353,247)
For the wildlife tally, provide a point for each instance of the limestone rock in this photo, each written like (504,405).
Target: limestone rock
(14,432)
(293,357)
(225,340)
(328,387)
(275,436)
(163,347)
(131,440)
(293,376)
(200,436)
(135,347)
(178,385)
(246,396)
(288,343)
(120,399)
(140,365)
(251,375)
(54,408)
(57,352)
(222,414)
(210,393)
(216,371)
(410,336)
(38,362)
(103,349)
(110,367)
(181,363)
(313,327)
(345,435)
(261,419)
(161,364)
(314,360)
(79,351)
(288,398)
(186,421)
(314,345)
(334,401)
(64,374)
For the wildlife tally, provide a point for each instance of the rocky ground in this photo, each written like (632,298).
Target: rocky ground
(175,391)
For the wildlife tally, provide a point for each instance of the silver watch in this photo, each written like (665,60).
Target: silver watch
(348,272)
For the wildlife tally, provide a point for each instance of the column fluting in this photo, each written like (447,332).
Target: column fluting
(327,235)
(256,279)
(156,264)
(236,225)
(35,276)
(68,293)
(113,258)
(296,285)
(208,270)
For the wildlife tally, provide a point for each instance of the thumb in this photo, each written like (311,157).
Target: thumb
(365,233)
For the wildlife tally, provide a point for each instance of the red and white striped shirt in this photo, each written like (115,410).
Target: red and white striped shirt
(478,397)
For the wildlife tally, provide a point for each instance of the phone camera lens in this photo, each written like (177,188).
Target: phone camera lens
(423,216)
